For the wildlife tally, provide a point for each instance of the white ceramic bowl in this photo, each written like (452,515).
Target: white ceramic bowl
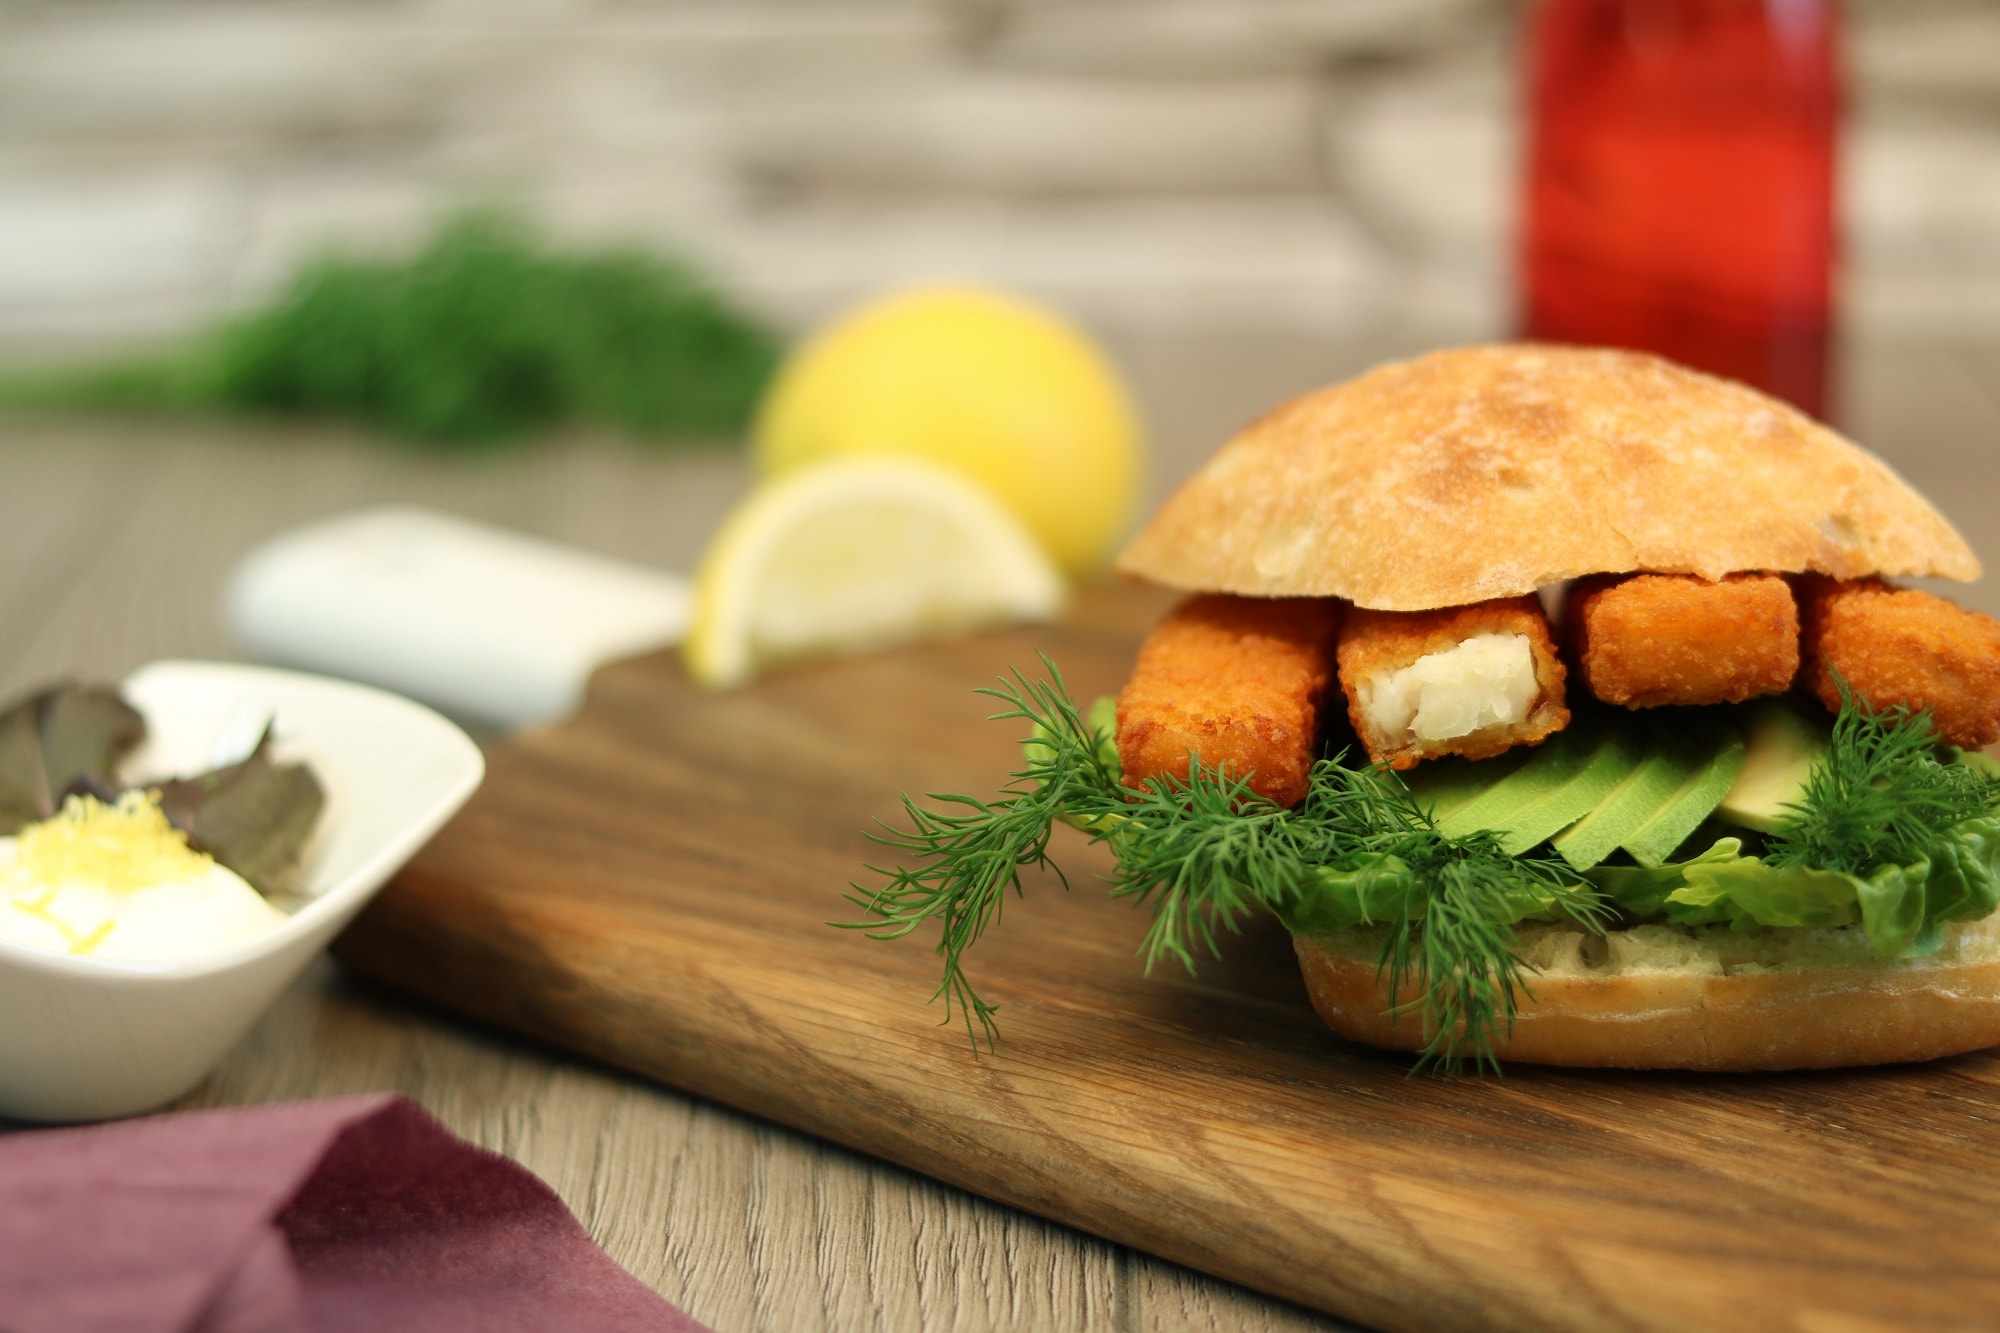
(88,1039)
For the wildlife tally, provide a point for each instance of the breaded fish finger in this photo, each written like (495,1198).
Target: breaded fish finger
(1470,680)
(1654,639)
(1237,681)
(1901,647)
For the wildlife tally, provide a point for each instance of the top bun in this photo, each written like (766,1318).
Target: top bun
(1483,472)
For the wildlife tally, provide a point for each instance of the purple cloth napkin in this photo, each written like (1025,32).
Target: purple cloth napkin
(356,1213)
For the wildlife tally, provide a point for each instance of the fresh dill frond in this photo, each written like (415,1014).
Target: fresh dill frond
(1465,950)
(485,334)
(1880,796)
(1211,849)
(1207,850)
(1454,933)
(969,854)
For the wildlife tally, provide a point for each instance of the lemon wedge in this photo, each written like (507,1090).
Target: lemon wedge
(850,556)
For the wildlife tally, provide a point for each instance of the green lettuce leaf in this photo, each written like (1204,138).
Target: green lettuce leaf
(1892,905)
(1643,891)
(1964,882)
(1900,907)
(1365,889)
(1375,888)
(1746,892)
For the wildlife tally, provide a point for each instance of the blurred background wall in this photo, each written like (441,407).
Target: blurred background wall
(1314,166)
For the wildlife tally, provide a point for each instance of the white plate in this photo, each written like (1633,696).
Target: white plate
(88,1039)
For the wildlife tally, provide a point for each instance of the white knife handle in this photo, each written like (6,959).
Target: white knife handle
(491,626)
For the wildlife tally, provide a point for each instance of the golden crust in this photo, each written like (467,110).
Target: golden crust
(1656,639)
(1817,1014)
(1485,472)
(1237,681)
(1377,643)
(1898,647)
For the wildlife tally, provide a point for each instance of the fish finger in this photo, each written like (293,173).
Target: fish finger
(1237,681)
(1902,648)
(1467,680)
(1655,639)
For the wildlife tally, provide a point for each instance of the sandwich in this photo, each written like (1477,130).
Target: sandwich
(1560,703)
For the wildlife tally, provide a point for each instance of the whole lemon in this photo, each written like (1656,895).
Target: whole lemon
(997,388)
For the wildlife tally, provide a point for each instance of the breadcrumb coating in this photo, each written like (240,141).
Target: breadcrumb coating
(1653,639)
(1237,681)
(1901,647)
(1375,646)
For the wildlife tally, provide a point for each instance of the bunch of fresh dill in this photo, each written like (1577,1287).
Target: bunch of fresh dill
(484,335)
(1208,850)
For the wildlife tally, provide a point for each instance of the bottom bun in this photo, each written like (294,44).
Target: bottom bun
(1669,997)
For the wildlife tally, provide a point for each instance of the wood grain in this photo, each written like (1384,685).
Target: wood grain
(647,883)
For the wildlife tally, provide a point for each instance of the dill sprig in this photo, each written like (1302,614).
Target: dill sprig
(1880,796)
(1207,850)
(971,852)
(1473,978)
(1453,931)
(1211,849)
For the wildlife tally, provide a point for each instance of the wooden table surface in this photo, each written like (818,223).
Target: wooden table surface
(115,537)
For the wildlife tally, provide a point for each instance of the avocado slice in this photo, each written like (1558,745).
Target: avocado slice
(1613,757)
(1655,840)
(1678,751)
(1635,800)
(1784,744)
(1548,769)
(1643,784)
(1558,784)
(1444,786)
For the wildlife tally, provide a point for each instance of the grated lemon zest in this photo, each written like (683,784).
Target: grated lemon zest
(123,846)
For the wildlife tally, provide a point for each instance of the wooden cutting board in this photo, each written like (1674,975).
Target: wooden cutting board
(647,884)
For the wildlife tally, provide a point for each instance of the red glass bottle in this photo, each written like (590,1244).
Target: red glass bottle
(1680,184)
